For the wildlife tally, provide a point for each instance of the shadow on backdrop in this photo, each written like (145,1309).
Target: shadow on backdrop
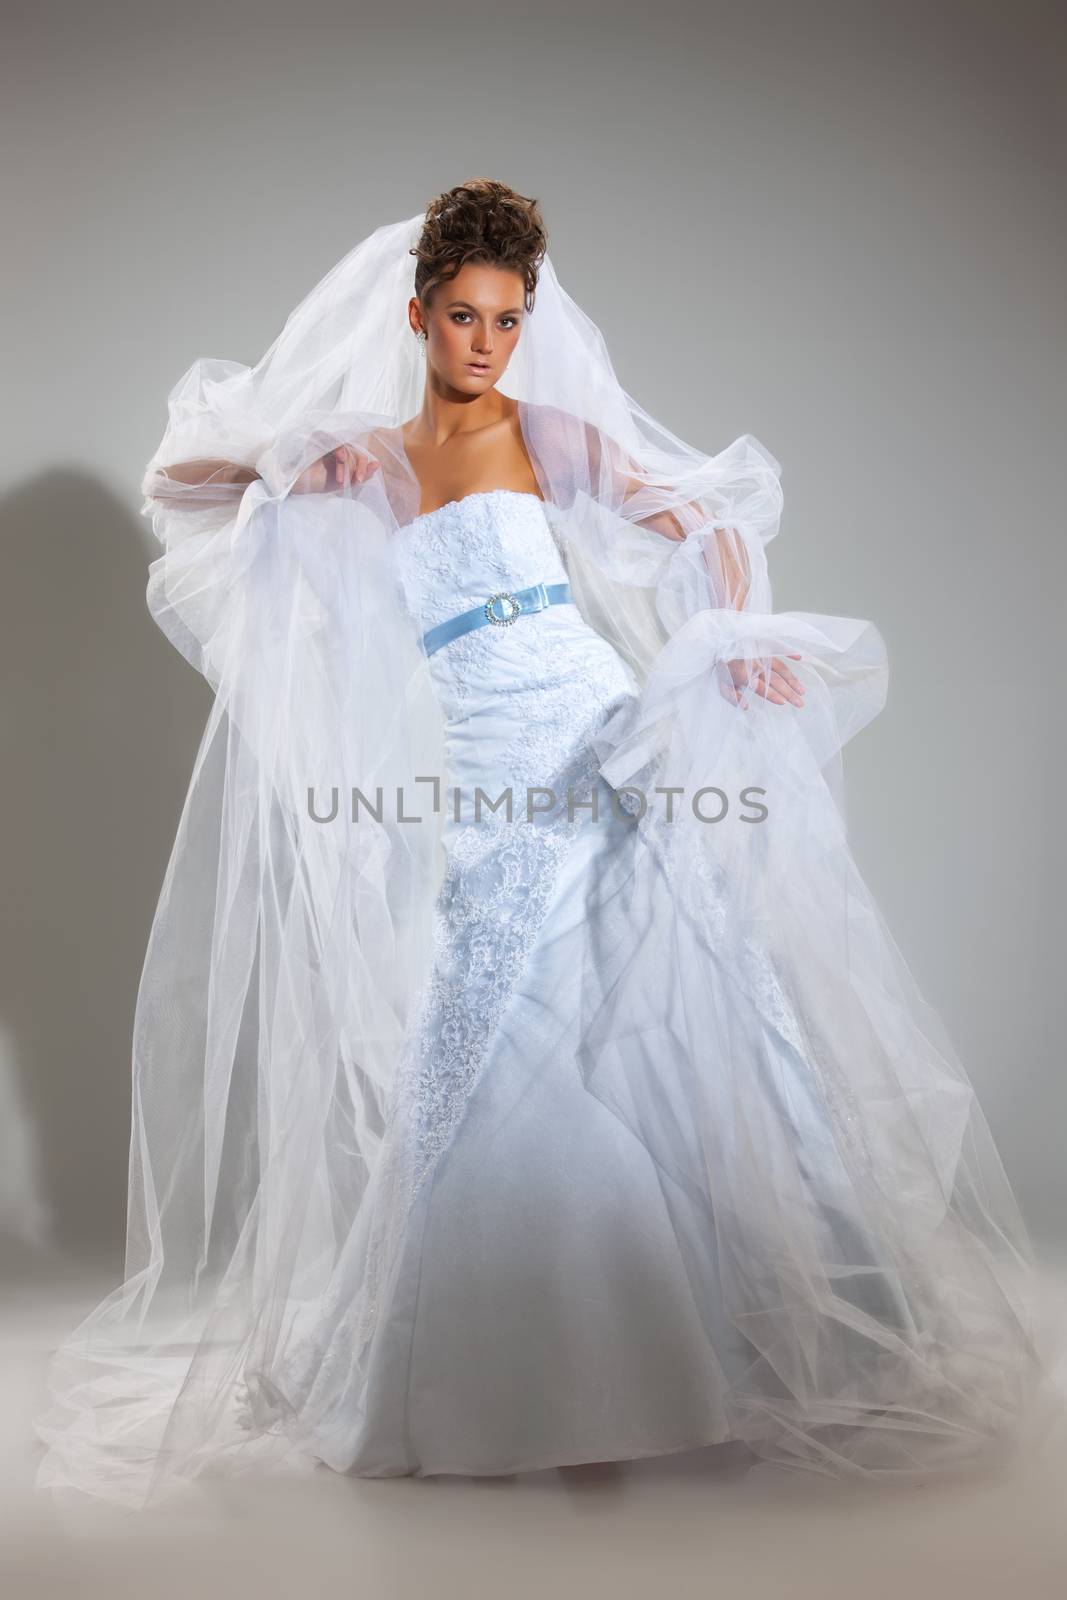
(101,721)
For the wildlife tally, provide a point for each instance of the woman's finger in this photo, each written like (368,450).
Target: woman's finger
(774,687)
(780,685)
(783,678)
(792,695)
(360,462)
(787,673)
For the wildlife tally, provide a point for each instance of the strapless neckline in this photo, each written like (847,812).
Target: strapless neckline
(478,494)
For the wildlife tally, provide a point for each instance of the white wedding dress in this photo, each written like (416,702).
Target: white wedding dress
(540,1310)
(539,1283)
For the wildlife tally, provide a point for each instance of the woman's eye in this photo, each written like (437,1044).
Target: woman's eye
(511,321)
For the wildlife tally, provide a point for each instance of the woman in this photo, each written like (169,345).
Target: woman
(523,1074)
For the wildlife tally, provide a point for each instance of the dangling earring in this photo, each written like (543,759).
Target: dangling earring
(421,339)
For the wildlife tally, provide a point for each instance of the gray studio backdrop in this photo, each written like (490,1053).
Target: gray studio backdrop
(839,227)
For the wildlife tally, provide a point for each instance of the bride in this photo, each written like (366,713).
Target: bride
(523,1073)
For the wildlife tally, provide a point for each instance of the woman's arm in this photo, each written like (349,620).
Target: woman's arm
(172,483)
(725,558)
(729,574)
(216,482)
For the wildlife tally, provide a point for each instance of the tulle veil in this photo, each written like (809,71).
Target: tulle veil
(878,1301)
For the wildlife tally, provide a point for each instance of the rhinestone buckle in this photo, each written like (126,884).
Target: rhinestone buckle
(512,609)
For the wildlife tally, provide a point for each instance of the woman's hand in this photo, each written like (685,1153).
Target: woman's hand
(338,468)
(780,685)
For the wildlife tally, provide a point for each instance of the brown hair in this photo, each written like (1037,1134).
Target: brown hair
(480,220)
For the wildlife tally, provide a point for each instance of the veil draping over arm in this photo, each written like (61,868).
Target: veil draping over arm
(879,1298)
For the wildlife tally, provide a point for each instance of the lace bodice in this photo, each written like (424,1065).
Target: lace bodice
(528,695)
(450,558)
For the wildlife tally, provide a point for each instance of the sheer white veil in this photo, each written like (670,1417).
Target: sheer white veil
(882,1297)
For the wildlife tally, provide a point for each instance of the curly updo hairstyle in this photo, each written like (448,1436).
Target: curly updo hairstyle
(480,220)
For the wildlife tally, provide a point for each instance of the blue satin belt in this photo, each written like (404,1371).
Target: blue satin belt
(500,610)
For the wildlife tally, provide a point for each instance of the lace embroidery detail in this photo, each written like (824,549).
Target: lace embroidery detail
(498,884)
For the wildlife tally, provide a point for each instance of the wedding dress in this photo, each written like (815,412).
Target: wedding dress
(468,1139)
(540,1309)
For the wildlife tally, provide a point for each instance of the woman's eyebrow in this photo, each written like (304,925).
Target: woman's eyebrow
(510,312)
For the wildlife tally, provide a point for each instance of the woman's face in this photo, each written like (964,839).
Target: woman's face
(472,325)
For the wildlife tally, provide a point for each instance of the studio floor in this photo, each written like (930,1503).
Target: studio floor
(693,1524)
